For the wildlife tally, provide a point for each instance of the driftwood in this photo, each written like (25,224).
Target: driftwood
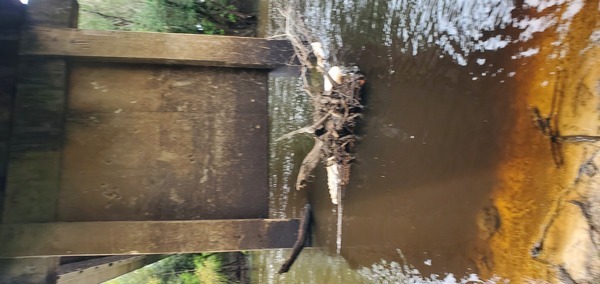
(336,117)
(303,232)
(309,163)
(337,108)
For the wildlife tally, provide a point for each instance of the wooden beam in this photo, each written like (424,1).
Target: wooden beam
(29,270)
(144,237)
(156,48)
(52,13)
(100,270)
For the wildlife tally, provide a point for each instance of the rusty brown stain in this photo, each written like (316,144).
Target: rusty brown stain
(531,185)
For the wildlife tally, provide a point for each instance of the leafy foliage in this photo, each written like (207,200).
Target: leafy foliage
(139,15)
(181,268)
(177,16)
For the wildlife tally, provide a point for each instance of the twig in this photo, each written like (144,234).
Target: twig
(307,129)
(309,163)
(585,210)
(340,214)
(300,241)
(565,276)
(580,138)
(538,247)
(588,167)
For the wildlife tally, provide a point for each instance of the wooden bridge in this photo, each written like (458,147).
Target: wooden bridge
(126,143)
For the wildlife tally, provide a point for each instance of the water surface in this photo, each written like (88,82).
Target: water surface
(446,92)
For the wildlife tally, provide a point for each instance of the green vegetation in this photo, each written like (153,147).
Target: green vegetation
(181,268)
(175,16)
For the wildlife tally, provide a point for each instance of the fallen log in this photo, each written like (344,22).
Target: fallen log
(303,232)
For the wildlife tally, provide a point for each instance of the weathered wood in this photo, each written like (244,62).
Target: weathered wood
(177,143)
(303,235)
(146,237)
(99,270)
(28,270)
(164,48)
(34,199)
(12,13)
(52,13)
(36,140)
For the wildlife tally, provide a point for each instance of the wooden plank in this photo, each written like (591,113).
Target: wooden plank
(100,270)
(163,48)
(169,143)
(144,237)
(32,188)
(52,13)
(29,270)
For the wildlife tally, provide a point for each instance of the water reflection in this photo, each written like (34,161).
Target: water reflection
(315,266)
(289,109)
(458,29)
(444,80)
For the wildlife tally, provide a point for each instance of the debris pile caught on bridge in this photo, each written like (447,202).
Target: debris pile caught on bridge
(337,107)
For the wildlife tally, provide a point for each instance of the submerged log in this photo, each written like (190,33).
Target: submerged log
(303,232)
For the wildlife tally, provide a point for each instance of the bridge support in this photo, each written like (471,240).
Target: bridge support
(99,270)
(156,48)
(133,143)
(145,237)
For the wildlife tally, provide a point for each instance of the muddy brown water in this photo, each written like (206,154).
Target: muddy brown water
(448,88)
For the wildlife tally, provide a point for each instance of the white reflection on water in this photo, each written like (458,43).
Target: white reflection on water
(394,272)
(288,111)
(458,28)
(316,266)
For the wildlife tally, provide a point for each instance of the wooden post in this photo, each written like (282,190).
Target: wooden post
(157,48)
(145,237)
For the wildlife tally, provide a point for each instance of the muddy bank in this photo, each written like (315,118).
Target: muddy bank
(547,197)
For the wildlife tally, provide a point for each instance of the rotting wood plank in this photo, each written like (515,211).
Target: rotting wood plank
(156,48)
(144,237)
